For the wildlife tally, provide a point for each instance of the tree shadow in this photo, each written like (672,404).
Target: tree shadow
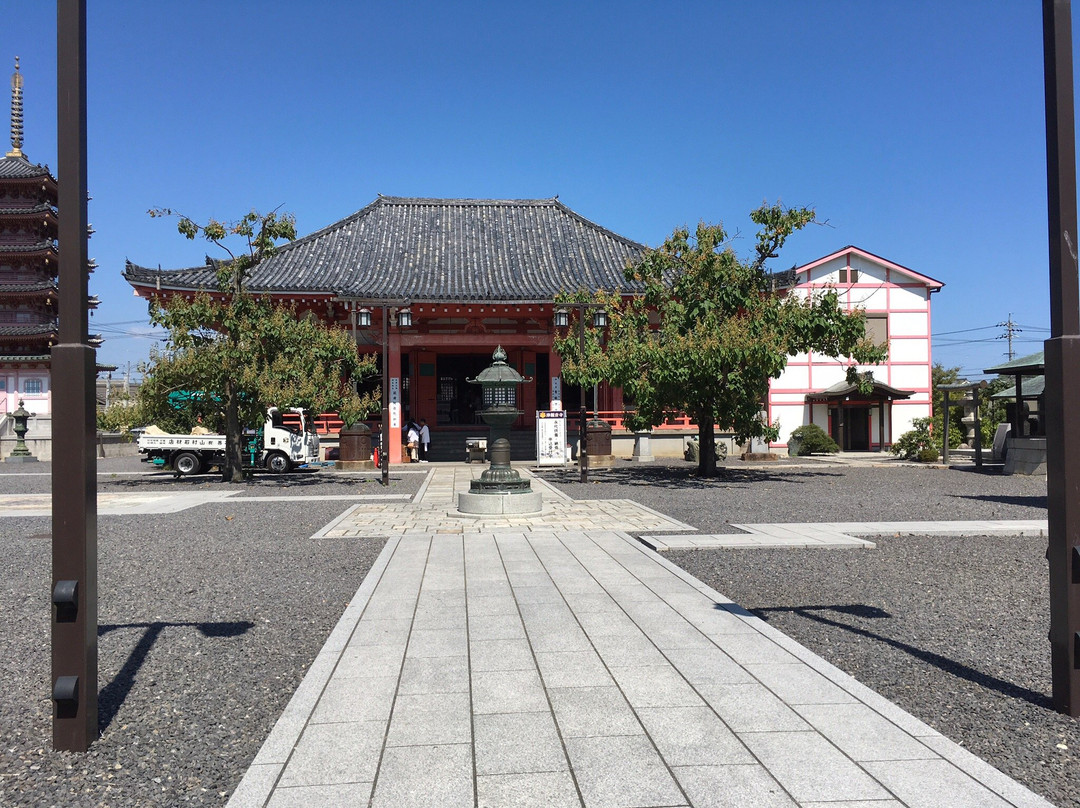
(678,478)
(944,663)
(298,478)
(111,697)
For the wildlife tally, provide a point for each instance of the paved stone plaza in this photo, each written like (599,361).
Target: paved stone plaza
(555,660)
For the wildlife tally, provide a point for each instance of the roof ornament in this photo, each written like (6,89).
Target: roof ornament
(16,113)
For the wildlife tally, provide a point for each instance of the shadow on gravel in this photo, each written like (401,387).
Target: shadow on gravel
(958,669)
(1005,499)
(681,478)
(293,478)
(112,696)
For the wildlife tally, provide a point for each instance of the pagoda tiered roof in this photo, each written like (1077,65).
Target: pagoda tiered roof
(499,250)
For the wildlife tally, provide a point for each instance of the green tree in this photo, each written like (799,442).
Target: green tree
(707,333)
(240,353)
(939,375)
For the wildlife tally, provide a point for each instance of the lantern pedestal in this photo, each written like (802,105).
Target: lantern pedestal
(500,491)
(20,454)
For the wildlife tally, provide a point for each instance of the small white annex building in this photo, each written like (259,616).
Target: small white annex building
(813,388)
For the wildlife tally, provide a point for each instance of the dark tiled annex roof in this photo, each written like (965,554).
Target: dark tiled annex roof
(20,168)
(438,249)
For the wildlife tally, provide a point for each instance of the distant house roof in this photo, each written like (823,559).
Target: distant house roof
(1030,365)
(1032,387)
(845,389)
(790,277)
(504,250)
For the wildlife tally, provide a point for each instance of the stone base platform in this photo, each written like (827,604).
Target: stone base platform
(21,459)
(501,504)
(354,465)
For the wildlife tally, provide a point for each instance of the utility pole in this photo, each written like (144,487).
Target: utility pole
(1062,352)
(1010,329)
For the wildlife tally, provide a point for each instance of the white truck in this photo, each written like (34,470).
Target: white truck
(285,440)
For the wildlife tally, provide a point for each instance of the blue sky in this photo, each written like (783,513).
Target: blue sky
(915,129)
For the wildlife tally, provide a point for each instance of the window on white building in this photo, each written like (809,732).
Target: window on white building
(32,387)
(877,327)
(849,275)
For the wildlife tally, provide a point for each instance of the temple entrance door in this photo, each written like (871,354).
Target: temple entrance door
(850,428)
(857,434)
(457,402)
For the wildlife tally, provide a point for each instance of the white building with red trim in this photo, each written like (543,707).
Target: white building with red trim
(813,388)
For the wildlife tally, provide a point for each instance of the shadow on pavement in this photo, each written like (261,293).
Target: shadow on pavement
(958,669)
(112,695)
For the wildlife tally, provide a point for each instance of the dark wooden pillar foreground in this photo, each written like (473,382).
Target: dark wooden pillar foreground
(74,510)
(1062,356)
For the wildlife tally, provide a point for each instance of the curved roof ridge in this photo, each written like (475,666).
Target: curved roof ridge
(464,201)
(600,227)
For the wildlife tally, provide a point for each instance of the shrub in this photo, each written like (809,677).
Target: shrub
(812,439)
(928,455)
(911,444)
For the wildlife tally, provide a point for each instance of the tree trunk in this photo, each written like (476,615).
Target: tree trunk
(233,470)
(706,446)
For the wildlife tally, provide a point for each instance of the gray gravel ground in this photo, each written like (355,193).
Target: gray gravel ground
(208,621)
(952,629)
(818,492)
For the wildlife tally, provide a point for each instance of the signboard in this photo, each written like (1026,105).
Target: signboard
(556,393)
(395,403)
(550,438)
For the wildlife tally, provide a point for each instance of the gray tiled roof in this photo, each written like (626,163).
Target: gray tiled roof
(34,286)
(27,330)
(21,168)
(438,249)
(27,247)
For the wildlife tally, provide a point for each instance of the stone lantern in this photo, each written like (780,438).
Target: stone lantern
(20,454)
(500,489)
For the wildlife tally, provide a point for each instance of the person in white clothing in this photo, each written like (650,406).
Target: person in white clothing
(412,440)
(425,440)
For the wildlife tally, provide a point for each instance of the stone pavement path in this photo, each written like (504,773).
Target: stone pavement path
(533,665)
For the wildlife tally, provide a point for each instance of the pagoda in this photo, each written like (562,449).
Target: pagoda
(28,271)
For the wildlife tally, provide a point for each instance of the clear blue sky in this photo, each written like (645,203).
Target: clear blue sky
(915,129)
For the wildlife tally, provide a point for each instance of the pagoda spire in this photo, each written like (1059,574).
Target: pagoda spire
(16,113)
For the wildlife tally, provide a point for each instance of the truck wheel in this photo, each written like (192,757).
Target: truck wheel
(187,463)
(278,463)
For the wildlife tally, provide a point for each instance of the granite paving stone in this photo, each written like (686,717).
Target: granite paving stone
(430,718)
(593,711)
(622,772)
(908,779)
(516,691)
(434,675)
(727,786)
(863,734)
(527,790)
(797,684)
(344,795)
(501,655)
(751,708)
(693,736)
(655,686)
(508,743)
(811,768)
(573,669)
(425,777)
(335,753)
